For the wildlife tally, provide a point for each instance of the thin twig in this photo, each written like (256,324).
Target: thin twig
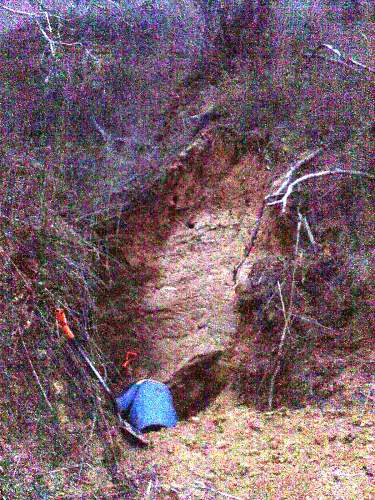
(282,300)
(341,59)
(253,238)
(312,321)
(370,390)
(337,171)
(35,373)
(51,42)
(149,490)
(48,21)
(308,231)
(287,318)
(68,467)
(21,12)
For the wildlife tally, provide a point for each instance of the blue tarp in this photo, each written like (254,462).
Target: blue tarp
(148,404)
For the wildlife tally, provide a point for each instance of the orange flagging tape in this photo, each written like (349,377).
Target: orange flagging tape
(63,324)
(130,356)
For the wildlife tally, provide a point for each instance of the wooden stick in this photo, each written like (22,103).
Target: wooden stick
(287,319)
(298,164)
(21,12)
(253,237)
(337,171)
(344,61)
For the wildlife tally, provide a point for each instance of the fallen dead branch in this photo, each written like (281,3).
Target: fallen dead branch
(286,186)
(308,230)
(253,238)
(21,12)
(286,179)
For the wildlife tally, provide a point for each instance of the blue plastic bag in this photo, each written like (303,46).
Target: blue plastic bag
(147,405)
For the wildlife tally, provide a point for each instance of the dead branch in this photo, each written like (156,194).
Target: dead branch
(282,301)
(288,318)
(285,181)
(371,389)
(312,321)
(338,171)
(289,175)
(308,230)
(51,42)
(200,485)
(148,494)
(107,137)
(348,62)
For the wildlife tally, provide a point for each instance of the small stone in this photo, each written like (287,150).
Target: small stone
(221,444)
(42,354)
(58,387)
(369,470)
(349,438)
(339,475)
(275,443)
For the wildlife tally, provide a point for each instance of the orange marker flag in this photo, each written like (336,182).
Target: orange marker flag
(63,324)
(130,356)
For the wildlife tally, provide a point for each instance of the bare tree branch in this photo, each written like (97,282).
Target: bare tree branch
(253,238)
(308,230)
(52,43)
(288,318)
(338,171)
(289,175)
(200,485)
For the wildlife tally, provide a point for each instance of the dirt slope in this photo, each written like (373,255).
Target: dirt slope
(183,247)
(181,250)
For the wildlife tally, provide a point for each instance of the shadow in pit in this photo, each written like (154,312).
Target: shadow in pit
(197,382)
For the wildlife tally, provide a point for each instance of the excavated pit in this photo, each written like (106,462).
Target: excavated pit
(173,301)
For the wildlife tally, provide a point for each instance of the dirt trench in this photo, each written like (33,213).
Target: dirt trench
(175,298)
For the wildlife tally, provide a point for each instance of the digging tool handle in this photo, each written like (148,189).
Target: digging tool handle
(63,324)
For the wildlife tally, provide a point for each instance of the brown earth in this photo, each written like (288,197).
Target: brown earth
(180,250)
(176,304)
